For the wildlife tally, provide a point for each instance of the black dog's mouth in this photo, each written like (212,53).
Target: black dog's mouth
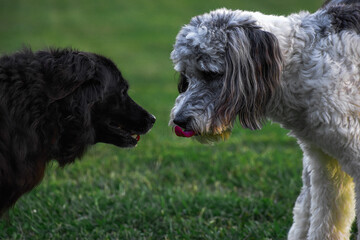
(117,134)
(120,124)
(121,136)
(118,128)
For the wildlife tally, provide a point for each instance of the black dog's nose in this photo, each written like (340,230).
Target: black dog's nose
(181,121)
(152,119)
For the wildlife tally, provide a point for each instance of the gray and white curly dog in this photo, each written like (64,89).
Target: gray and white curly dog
(302,71)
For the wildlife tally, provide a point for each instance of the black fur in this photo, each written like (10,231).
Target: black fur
(183,83)
(328,3)
(345,17)
(249,83)
(53,105)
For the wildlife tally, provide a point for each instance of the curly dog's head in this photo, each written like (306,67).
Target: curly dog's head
(228,67)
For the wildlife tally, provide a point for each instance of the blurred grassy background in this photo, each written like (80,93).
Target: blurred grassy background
(167,187)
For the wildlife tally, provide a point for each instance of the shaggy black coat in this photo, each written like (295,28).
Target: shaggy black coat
(53,105)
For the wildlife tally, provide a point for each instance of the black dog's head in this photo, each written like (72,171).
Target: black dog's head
(116,117)
(92,98)
(53,105)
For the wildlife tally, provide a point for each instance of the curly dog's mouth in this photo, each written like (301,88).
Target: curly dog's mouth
(183,133)
(206,137)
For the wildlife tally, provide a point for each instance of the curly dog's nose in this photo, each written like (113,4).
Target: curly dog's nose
(181,121)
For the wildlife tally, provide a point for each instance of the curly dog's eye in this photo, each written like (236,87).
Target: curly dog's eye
(211,76)
(183,83)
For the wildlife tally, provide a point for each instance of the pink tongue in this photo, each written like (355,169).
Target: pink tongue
(179,132)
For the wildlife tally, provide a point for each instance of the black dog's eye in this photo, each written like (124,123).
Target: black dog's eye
(211,76)
(183,83)
(124,90)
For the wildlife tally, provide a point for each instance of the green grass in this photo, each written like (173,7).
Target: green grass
(167,187)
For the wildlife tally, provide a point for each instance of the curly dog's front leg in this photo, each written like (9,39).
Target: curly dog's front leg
(301,211)
(332,198)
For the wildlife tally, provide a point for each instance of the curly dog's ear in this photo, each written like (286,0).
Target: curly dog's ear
(66,71)
(253,65)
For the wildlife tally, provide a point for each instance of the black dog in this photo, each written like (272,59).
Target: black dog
(53,105)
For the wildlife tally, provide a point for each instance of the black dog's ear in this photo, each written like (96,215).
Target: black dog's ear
(253,65)
(66,71)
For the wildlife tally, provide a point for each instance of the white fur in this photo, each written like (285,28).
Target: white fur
(318,100)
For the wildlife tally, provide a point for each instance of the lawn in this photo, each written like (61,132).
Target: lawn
(166,187)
